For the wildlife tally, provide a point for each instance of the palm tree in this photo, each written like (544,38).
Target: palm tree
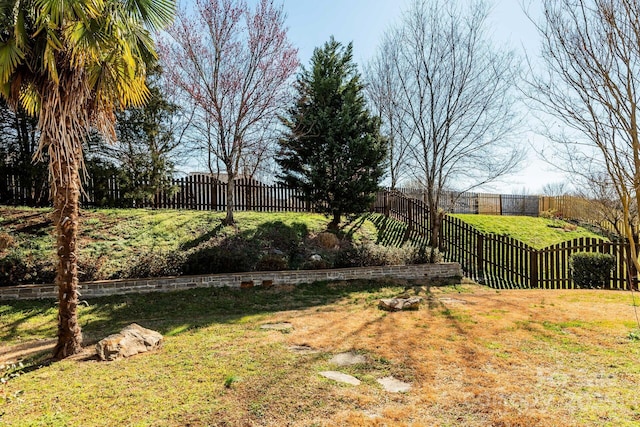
(72,64)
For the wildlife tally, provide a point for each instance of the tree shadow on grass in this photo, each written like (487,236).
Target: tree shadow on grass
(390,231)
(242,251)
(202,238)
(176,312)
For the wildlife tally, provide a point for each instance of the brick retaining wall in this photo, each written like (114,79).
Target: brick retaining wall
(236,280)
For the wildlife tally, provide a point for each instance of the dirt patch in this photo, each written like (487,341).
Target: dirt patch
(26,350)
(16,353)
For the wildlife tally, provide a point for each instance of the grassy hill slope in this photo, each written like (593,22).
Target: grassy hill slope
(535,232)
(123,243)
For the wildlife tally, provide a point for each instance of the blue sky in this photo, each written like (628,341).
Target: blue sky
(312,22)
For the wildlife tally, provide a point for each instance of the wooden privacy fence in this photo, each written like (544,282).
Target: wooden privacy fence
(206,193)
(503,262)
(480,203)
(198,192)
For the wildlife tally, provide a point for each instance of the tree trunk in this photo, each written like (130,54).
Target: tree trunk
(230,199)
(65,218)
(335,222)
(435,241)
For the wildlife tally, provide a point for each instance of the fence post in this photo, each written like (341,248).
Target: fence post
(533,269)
(386,204)
(480,256)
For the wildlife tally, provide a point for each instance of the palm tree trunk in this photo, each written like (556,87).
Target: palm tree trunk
(65,218)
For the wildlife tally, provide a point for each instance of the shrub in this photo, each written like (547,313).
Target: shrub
(6,241)
(272,262)
(591,269)
(20,269)
(422,255)
(315,264)
(229,256)
(550,214)
(277,235)
(89,268)
(370,255)
(12,270)
(155,264)
(327,240)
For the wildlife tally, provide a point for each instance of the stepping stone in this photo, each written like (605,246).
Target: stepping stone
(447,300)
(346,359)
(394,385)
(340,377)
(282,326)
(304,349)
(399,304)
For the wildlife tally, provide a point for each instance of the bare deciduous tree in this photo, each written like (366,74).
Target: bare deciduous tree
(555,189)
(383,91)
(456,94)
(233,64)
(591,54)
(605,205)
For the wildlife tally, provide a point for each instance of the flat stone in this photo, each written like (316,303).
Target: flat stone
(348,358)
(304,349)
(394,385)
(282,326)
(340,377)
(398,304)
(448,300)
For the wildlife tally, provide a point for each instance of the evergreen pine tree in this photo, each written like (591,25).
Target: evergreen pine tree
(332,150)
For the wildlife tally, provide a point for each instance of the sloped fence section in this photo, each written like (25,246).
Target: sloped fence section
(502,262)
(480,203)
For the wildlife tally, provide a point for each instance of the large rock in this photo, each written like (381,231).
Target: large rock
(131,340)
(397,304)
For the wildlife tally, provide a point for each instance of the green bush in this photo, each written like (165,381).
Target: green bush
(154,264)
(20,269)
(272,262)
(370,255)
(591,269)
(229,256)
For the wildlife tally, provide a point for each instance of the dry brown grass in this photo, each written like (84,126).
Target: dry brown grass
(475,357)
(6,241)
(508,358)
(327,240)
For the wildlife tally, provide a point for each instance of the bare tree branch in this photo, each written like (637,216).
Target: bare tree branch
(455,91)
(233,64)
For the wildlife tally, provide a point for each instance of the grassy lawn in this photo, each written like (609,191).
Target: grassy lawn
(474,357)
(536,232)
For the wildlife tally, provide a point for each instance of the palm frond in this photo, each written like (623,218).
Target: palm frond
(20,31)
(156,14)
(53,13)
(30,99)
(49,66)
(10,57)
